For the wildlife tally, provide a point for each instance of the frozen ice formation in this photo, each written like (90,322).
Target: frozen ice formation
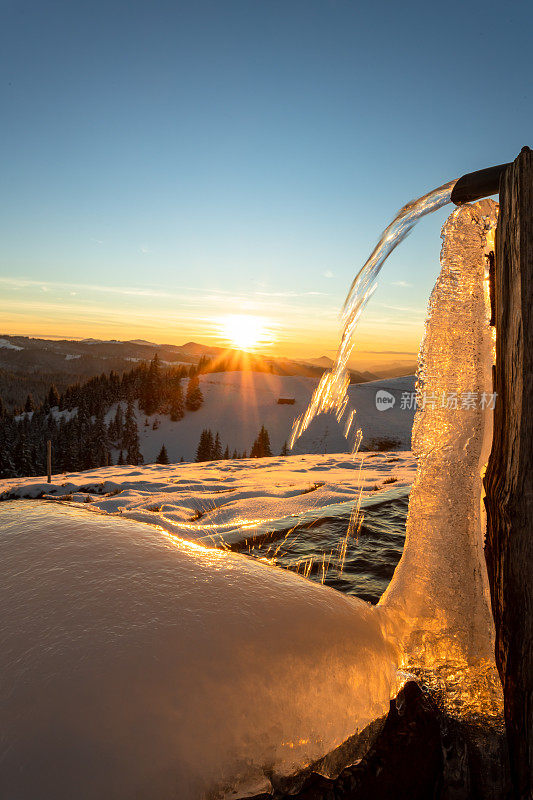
(440,585)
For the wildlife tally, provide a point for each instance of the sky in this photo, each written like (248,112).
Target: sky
(166,165)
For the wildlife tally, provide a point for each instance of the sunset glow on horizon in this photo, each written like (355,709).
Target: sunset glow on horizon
(246,331)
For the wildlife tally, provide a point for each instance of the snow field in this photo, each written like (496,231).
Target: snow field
(200,501)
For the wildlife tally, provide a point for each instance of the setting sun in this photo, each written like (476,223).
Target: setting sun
(245,331)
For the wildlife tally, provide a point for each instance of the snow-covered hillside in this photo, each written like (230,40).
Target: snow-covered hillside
(236,404)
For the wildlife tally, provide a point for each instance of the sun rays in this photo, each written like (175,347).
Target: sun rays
(246,331)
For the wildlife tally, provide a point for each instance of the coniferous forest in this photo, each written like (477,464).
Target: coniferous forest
(75,422)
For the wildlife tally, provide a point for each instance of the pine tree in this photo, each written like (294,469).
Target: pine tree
(265,441)
(151,396)
(130,437)
(261,447)
(204,451)
(235,455)
(177,410)
(200,450)
(226,453)
(162,458)
(29,405)
(202,364)
(7,450)
(216,455)
(99,441)
(194,397)
(23,463)
(120,460)
(284,450)
(53,397)
(155,381)
(72,461)
(119,422)
(83,425)
(7,464)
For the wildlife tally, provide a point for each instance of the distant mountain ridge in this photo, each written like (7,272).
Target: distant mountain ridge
(31,364)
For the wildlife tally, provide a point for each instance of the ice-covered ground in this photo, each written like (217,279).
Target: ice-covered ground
(224,500)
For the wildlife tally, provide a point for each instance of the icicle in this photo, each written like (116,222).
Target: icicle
(440,585)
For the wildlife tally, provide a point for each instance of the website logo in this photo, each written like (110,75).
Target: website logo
(384,400)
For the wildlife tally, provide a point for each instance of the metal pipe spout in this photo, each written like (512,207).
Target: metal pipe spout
(476,185)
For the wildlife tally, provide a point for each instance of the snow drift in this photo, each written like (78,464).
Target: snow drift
(136,664)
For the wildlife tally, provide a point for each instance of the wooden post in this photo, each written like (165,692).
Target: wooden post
(49,460)
(509,477)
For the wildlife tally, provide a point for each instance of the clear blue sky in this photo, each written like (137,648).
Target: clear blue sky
(167,163)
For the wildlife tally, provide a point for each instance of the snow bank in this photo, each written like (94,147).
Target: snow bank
(136,664)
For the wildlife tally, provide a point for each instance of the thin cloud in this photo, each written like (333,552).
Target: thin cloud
(290,294)
(405,309)
(23,283)
(389,352)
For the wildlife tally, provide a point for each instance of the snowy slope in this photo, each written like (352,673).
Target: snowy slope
(224,499)
(236,404)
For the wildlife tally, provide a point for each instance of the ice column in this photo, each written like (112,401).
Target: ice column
(440,586)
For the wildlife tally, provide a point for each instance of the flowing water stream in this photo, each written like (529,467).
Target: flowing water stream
(331,392)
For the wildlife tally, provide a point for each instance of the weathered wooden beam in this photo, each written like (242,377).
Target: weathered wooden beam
(509,477)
